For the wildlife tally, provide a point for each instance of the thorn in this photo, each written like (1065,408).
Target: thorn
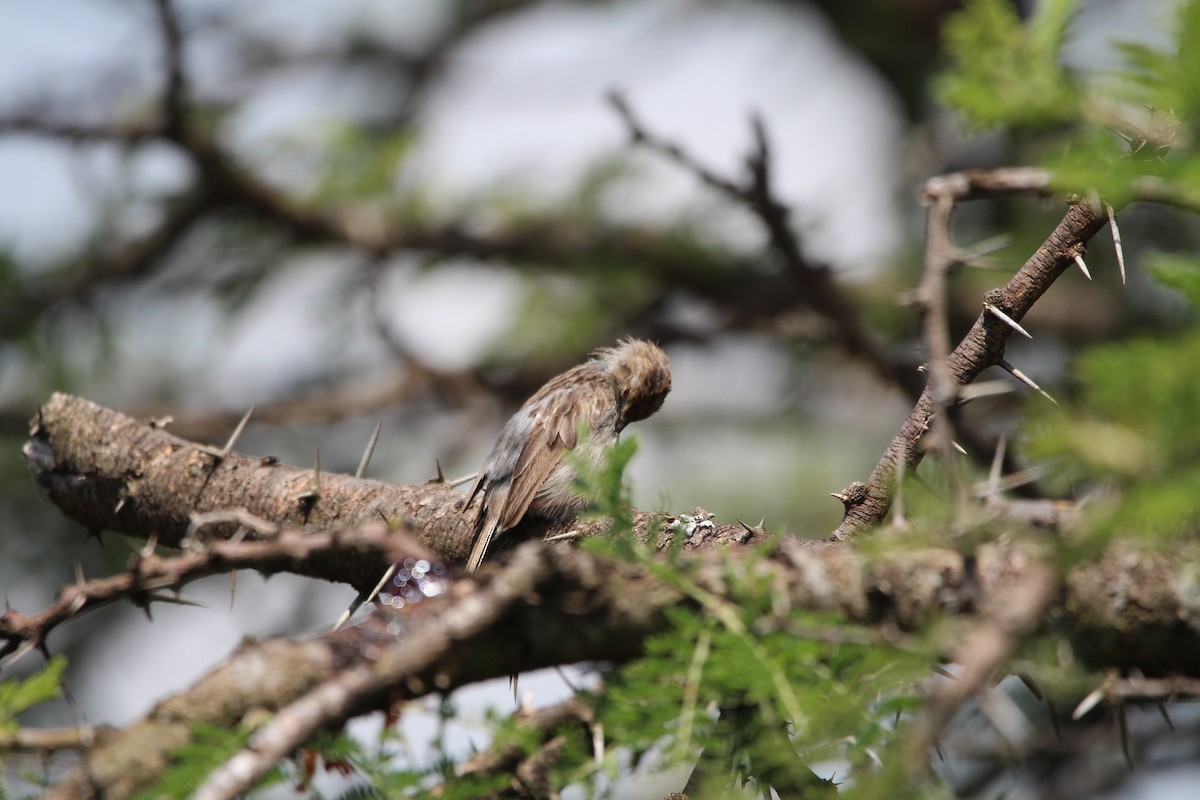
(1025,379)
(120,504)
(1031,685)
(974,391)
(366,457)
(175,601)
(13,652)
(1116,234)
(598,742)
(1162,709)
(1088,703)
(916,478)
(962,450)
(440,477)
(1123,732)
(994,475)
(563,677)
(1007,320)
(364,597)
(1082,266)
(984,248)
(150,546)
(237,434)
(233,585)
(463,479)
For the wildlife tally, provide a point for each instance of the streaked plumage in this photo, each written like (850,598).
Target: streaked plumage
(527,470)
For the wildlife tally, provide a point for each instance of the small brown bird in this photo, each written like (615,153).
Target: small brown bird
(527,469)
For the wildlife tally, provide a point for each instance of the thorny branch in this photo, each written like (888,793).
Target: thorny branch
(555,605)
(150,575)
(112,472)
(983,345)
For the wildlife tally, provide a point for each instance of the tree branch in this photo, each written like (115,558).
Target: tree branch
(983,345)
(149,575)
(817,290)
(109,471)
(556,605)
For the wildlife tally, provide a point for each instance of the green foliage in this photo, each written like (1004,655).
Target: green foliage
(1125,133)
(1178,272)
(361,164)
(373,768)
(1007,73)
(734,682)
(1133,422)
(209,747)
(18,695)
(769,701)
(606,488)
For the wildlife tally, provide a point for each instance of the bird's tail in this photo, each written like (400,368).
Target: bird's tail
(485,529)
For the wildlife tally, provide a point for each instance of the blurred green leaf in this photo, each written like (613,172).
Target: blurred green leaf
(209,747)
(1178,272)
(1005,73)
(18,695)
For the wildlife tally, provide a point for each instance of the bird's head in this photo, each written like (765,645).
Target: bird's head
(640,373)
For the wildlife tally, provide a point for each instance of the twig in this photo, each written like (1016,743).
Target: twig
(290,551)
(817,288)
(175,91)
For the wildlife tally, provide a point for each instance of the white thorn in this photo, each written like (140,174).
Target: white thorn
(994,474)
(362,598)
(1007,320)
(1088,703)
(1082,266)
(1116,234)
(1025,379)
(463,479)
(959,447)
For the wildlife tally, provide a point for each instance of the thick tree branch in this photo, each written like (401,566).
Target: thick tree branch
(109,471)
(554,605)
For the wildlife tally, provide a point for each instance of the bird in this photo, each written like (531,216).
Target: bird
(583,410)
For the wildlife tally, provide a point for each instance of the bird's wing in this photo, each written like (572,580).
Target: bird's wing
(575,398)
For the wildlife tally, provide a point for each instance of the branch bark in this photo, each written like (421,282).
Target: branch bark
(110,471)
(555,605)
